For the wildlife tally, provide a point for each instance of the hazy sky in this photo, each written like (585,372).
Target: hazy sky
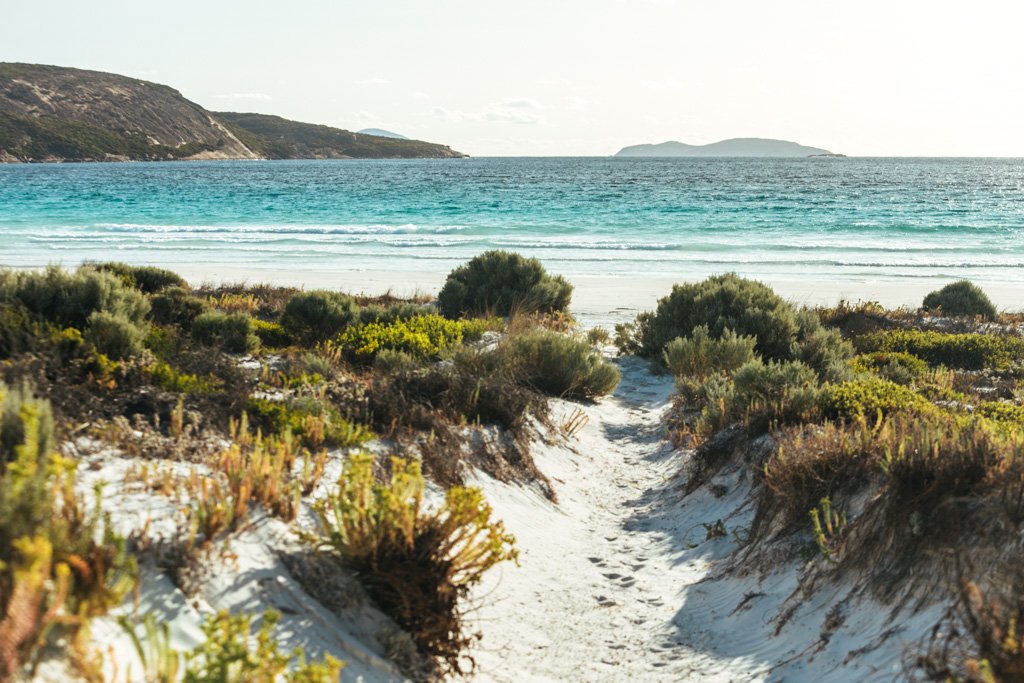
(568,77)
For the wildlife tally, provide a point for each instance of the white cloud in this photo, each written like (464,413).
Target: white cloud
(420,95)
(373,81)
(553,81)
(259,96)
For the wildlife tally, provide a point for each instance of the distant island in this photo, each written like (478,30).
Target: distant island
(734,147)
(53,113)
(381,133)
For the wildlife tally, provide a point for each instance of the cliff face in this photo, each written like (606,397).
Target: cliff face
(60,113)
(51,113)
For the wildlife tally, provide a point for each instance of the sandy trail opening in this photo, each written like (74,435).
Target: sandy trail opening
(603,572)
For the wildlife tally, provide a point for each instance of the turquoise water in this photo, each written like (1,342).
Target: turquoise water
(828,219)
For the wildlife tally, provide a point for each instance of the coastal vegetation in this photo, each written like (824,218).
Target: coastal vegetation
(903,428)
(237,401)
(500,283)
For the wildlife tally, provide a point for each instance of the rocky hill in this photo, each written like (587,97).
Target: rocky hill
(51,113)
(273,137)
(735,147)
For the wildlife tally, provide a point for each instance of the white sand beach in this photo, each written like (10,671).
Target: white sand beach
(612,299)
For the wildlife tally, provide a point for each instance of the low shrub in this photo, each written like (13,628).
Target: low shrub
(389,361)
(722,302)
(317,316)
(227,655)
(476,387)
(934,457)
(375,313)
(272,335)
(230,332)
(315,421)
(502,282)
(982,641)
(68,299)
(896,366)
(598,336)
(961,298)
(18,331)
(176,306)
(964,351)
(60,563)
(1002,411)
(701,355)
(827,353)
(167,377)
(114,335)
(559,365)
(416,564)
(425,336)
(148,279)
(812,462)
(869,397)
(768,392)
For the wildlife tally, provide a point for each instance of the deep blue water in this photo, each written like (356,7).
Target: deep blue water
(772,218)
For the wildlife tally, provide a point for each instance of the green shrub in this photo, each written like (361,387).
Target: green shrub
(500,282)
(114,335)
(827,353)
(18,331)
(68,299)
(272,335)
(723,302)
(934,457)
(598,336)
(963,351)
(172,379)
(870,396)
(771,392)
(389,361)
(416,563)
(316,422)
(559,365)
(897,366)
(149,279)
(476,387)
(700,355)
(17,409)
(58,558)
(232,333)
(227,655)
(961,298)
(425,336)
(317,316)
(390,314)
(176,306)
(1001,411)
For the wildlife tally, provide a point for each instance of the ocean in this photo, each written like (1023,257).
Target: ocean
(822,219)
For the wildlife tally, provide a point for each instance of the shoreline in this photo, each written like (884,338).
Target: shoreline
(609,299)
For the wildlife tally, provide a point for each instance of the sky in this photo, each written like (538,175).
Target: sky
(573,77)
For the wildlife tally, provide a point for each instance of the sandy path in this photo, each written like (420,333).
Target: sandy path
(603,572)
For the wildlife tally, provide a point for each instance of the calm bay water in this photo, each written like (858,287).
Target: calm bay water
(821,219)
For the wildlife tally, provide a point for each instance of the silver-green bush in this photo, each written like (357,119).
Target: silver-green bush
(559,365)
